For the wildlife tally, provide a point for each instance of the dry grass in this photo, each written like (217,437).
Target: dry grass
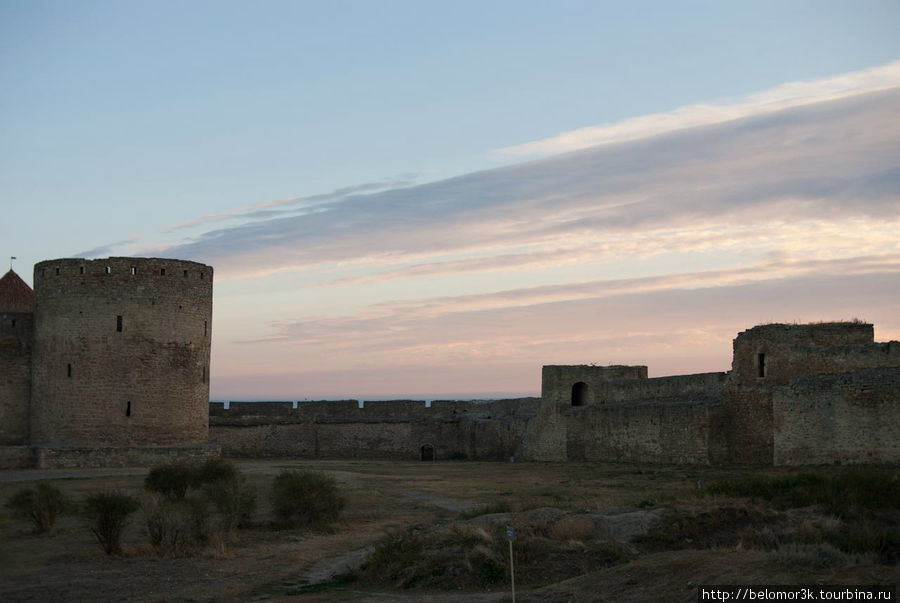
(749,537)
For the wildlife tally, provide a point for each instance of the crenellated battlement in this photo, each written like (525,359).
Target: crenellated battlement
(122,269)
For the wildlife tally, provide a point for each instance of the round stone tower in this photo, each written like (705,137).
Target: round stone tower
(121,352)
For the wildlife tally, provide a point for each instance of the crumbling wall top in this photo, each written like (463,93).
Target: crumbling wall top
(823,333)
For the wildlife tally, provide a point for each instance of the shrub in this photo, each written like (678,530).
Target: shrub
(108,513)
(395,559)
(214,470)
(41,505)
(306,497)
(172,481)
(178,527)
(169,526)
(234,499)
(186,519)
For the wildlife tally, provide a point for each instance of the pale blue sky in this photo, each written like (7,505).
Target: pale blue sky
(120,120)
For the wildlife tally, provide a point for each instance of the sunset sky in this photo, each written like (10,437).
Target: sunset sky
(433,199)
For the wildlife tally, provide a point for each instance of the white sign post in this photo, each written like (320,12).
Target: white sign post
(510,536)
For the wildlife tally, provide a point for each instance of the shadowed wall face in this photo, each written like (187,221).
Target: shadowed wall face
(16,331)
(396,429)
(121,352)
(797,394)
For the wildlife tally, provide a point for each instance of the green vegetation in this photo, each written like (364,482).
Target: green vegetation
(197,504)
(706,526)
(234,500)
(829,524)
(808,515)
(842,492)
(393,556)
(475,554)
(108,513)
(214,470)
(305,498)
(172,481)
(41,505)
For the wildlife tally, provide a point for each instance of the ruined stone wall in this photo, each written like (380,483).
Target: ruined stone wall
(397,429)
(851,417)
(619,414)
(545,438)
(558,382)
(769,357)
(659,420)
(16,332)
(121,352)
(705,385)
(777,353)
(657,431)
(745,426)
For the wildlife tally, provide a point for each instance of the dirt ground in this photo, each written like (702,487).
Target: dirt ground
(261,563)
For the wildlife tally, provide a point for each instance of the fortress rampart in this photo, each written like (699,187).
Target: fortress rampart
(107,363)
(393,429)
(796,394)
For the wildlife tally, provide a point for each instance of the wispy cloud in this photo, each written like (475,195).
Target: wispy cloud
(262,210)
(653,247)
(105,250)
(793,94)
(392,319)
(786,240)
(829,161)
(677,325)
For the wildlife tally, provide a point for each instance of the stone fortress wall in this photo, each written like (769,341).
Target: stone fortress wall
(796,394)
(112,368)
(393,429)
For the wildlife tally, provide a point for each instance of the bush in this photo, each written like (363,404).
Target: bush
(306,497)
(395,559)
(234,499)
(41,505)
(214,470)
(186,519)
(172,481)
(178,527)
(108,513)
